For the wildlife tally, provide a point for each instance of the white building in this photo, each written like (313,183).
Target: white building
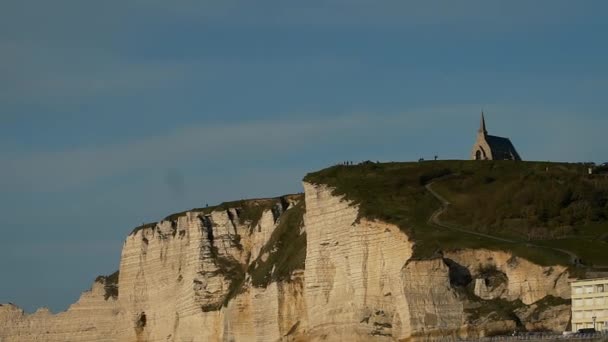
(590,304)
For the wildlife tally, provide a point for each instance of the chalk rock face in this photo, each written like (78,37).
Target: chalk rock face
(182,279)
(432,303)
(359,284)
(191,278)
(484,289)
(525,280)
(188,279)
(174,274)
(266,314)
(91,318)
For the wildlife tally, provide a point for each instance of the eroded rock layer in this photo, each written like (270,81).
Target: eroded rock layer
(229,274)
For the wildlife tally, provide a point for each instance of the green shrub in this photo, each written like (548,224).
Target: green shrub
(286,249)
(110,283)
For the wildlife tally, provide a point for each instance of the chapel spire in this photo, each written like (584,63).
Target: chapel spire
(482,125)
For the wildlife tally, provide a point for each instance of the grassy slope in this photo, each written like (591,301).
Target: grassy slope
(394,192)
(250,210)
(556,205)
(286,249)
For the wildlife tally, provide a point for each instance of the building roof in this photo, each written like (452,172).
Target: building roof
(502,148)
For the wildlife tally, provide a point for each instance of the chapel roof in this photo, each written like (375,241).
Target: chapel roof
(502,148)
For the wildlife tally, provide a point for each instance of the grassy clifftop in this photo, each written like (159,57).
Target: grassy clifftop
(249,210)
(550,204)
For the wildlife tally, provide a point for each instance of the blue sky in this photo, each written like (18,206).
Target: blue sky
(114,113)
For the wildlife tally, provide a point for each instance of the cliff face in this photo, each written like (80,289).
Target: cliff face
(91,318)
(224,275)
(188,278)
(523,280)
(182,279)
(359,283)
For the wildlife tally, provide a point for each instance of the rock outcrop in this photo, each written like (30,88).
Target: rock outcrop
(551,318)
(91,318)
(229,275)
(524,280)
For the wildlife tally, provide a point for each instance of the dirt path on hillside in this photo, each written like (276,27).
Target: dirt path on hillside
(434,219)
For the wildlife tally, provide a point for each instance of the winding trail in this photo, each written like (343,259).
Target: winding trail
(434,220)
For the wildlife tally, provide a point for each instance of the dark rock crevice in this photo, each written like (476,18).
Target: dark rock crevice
(460,276)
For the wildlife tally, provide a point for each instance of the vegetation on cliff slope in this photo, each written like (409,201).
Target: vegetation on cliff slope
(284,252)
(556,204)
(249,210)
(110,285)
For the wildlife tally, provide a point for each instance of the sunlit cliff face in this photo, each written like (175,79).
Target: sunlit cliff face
(210,275)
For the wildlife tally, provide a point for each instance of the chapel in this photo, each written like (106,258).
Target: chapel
(490,147)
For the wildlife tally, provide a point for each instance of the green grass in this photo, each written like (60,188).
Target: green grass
(529,200)
(592,252)
(554,205)
(143,226)
(391,192)
(286,249)
(234,271)
(487,196)
(249,210)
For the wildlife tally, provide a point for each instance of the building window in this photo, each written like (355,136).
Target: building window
(589,302)
(578,290)
(578,314)
(599,288)
(577,302)
(588,289)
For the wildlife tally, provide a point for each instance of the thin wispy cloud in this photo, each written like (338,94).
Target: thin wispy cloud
(50,75)
(65,168)
(57,169)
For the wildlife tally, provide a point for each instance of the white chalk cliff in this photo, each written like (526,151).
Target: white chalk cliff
(226,275)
